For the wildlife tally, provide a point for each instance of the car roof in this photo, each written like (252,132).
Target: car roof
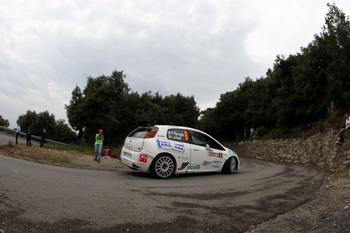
(178,127)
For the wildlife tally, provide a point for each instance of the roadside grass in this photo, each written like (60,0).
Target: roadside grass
(49,154)
(84,149)
(61,155)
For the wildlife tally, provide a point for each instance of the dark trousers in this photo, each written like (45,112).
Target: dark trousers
(17,135)
(29,143)
(42,141)
(341,135)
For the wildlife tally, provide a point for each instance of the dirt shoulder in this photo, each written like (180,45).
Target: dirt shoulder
(58,157)
(328,212)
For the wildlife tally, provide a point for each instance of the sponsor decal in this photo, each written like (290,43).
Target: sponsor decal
(179,147)
(143,158)
(176,135)
(183,166)
(195,167)
(183,157)
(215,154)
(186,135)
(231,152)
(170,145)
(164,144)
(205,163)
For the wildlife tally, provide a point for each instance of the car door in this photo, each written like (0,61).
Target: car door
(206,155)
(178,141)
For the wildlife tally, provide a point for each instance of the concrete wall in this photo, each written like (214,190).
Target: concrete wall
(318,151)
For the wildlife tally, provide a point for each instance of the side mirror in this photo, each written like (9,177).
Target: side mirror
(207,147)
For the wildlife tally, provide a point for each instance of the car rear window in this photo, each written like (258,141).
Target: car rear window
(140,132)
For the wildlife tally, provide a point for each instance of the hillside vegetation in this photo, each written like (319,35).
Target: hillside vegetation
(308,90)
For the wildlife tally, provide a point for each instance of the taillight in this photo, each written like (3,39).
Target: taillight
(152,133)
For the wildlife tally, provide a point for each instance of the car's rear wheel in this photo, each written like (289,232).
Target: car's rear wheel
(163,166)
(230,166)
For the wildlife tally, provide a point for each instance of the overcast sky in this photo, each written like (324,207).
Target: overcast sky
(200,48)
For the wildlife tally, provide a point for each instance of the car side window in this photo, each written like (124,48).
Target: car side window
(212,143)
(197,139)
(178,135)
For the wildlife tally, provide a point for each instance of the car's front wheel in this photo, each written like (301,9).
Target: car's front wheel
(163,166)
(230,166)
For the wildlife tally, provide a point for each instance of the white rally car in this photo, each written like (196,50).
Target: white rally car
(165,150)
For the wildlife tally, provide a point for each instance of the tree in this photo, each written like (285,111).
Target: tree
(64,132)
(181,110)
(106,103)
(336,36)
(75,112)
(57,130)
(100,105)
(47,121)
(30,119)
(300,88)
(4,122)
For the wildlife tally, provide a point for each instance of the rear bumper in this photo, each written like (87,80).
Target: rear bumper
(131,159)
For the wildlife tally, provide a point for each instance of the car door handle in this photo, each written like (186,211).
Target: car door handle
(195,149)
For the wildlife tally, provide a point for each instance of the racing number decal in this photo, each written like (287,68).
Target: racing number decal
(186,135)
(143,158)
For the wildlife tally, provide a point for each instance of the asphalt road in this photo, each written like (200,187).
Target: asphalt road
(42,198)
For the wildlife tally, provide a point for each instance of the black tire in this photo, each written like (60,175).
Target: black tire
(163,166)
(230,166)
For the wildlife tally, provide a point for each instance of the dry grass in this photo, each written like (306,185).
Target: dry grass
(59,156)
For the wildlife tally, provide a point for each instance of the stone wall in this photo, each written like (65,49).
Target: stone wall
(318,151)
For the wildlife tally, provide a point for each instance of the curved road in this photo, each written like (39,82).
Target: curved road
(42,198)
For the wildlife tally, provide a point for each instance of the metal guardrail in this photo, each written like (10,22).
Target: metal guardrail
(33,136)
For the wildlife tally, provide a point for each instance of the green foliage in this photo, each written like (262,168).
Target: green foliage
(75,112)
(301,89)
(262,131)
(181,110)
(336,36)
(64,132)
(106,103)
(56,130)
(4,122)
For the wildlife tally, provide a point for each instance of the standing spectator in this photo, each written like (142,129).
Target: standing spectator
(251,132)
(98,145)
(344,129)
(29,137)
(245,132)
(255,134)
(43,137)
(18,131)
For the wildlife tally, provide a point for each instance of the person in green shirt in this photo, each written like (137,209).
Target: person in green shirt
(98,145)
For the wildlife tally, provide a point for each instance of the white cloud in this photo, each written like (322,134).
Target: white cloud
(197,47)
(283,28)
